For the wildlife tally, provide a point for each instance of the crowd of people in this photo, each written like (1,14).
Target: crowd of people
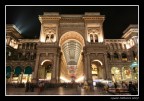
(131,87)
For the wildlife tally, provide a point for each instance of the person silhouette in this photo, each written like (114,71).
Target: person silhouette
(132,89)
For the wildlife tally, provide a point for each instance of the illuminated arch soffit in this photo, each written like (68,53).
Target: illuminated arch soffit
(98,61)
(71,43)
(72,50)
(45,61)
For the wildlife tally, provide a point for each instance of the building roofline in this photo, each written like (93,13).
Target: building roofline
(129,27)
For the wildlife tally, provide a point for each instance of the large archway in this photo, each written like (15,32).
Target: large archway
(71,66)
(71,35)
(45,70)
(97,71)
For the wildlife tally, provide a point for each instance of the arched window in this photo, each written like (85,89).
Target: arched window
(91,38)
(116,44)
(31,46)
(17,71)
(19,46)
(27,46)
(121,46)
(96,38)
(52,36)
(108,46)
(124,46)
(35,46)
(124,57)
(19,55)
(28,70)
(108,56)
(34,56)
(115,56)
(28,55)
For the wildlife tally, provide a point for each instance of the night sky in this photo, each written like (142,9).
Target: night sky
(117,18)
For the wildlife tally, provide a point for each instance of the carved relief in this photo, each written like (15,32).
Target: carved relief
(92,56)
(100,56)
(51,56)
(93,34)
(50,33)
(42,54)
(49,30)
(93,30)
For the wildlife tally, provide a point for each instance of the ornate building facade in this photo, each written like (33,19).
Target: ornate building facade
(71,48)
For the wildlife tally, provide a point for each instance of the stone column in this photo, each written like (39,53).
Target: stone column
(93,38)
(29,46)
(57,68)
(109,73)
(85,67)
(112,57)
(54,69)
(33,46)
(32,75)
(89,68)
(106,67)
(25,46)
(36,68)
(120,56)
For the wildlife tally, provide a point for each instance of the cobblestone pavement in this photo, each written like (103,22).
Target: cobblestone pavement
(57,91)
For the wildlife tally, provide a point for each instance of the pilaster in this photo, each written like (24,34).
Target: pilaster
(36,68)
(54,69)
(85,67)
(106,67)
(58,68)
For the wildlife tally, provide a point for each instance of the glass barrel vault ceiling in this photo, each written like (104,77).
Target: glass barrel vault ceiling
(72,50)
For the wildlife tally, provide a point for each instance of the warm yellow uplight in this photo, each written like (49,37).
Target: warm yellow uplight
(80,79)
(64,79)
